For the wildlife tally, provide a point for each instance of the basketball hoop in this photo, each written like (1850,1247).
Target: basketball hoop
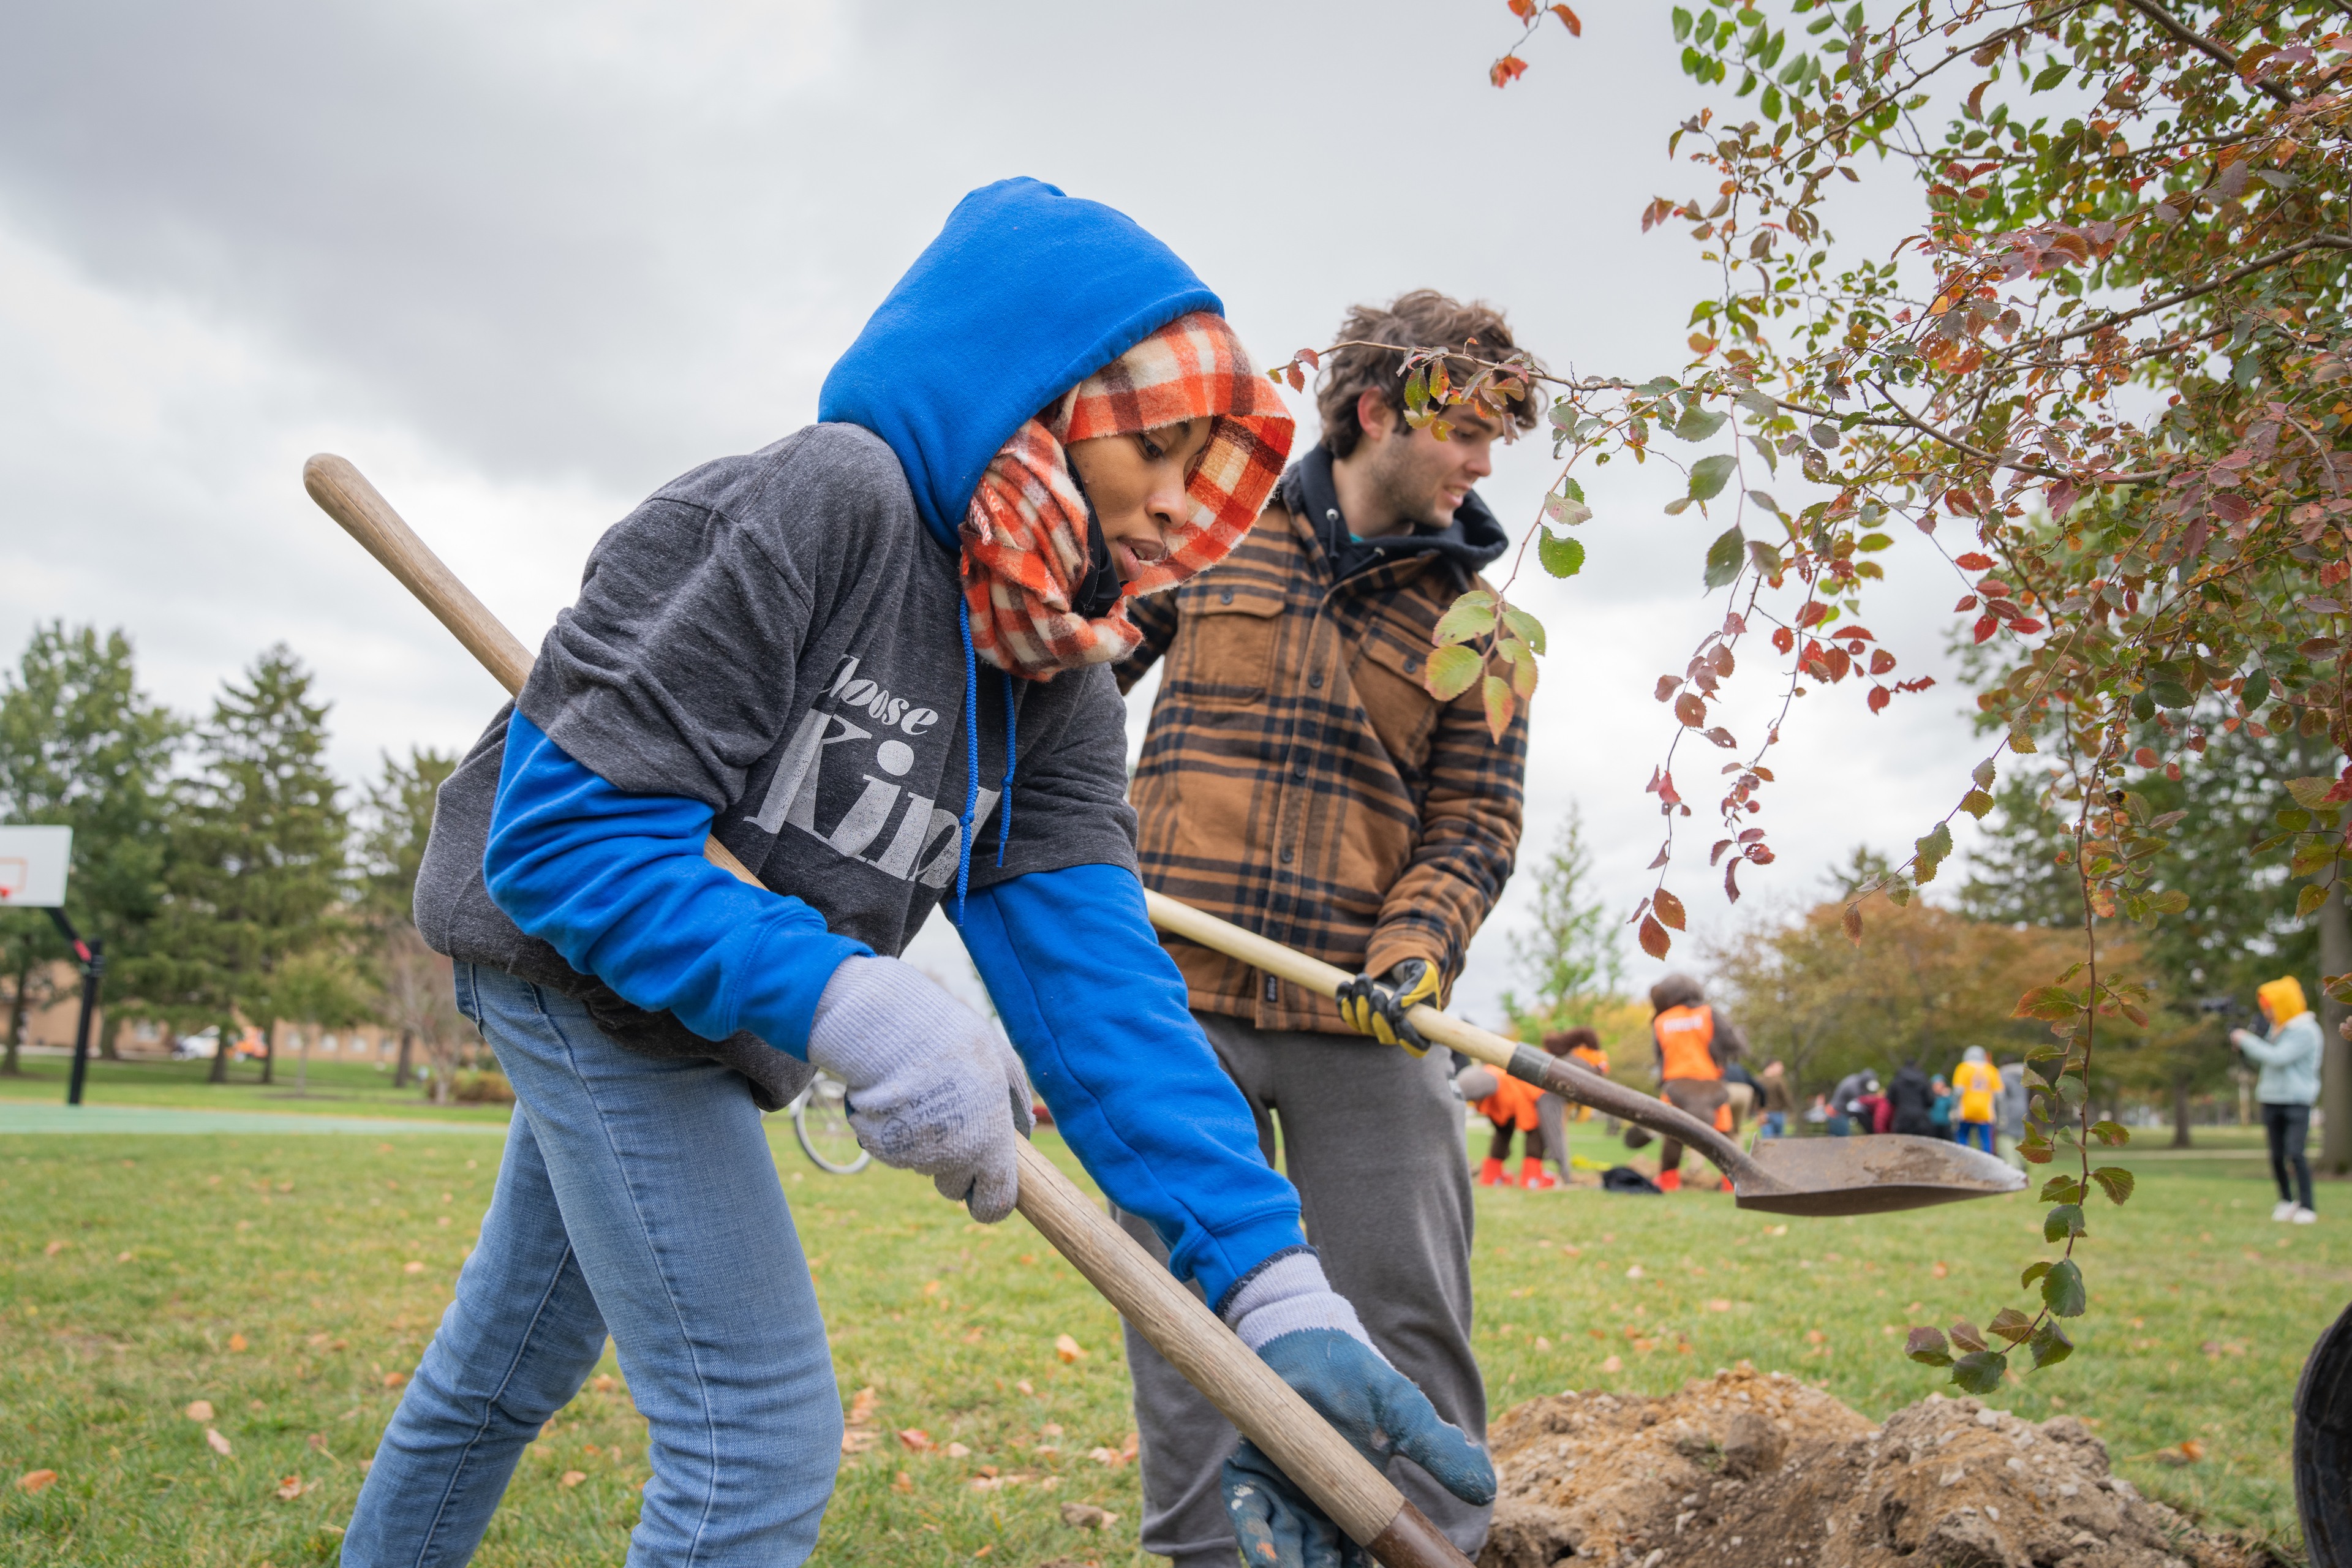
(33,862)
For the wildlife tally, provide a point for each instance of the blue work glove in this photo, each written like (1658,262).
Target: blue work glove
(1336,1370)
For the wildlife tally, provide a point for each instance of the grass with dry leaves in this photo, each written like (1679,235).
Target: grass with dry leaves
(287,1282)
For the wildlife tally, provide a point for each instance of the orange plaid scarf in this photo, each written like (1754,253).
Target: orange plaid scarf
(1024,534)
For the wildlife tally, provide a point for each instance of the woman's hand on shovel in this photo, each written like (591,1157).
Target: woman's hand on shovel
(1374,1408)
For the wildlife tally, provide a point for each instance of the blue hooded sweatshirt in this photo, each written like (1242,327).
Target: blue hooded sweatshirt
(1025,293)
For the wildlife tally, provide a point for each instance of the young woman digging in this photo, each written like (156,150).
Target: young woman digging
(1046,416)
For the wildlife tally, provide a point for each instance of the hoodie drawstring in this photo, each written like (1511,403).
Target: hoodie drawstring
(1012,715)
(972,754)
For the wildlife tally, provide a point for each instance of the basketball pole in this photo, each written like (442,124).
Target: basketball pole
(91,956)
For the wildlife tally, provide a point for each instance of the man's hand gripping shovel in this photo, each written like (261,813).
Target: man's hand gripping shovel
(1359,1499)
(1785,1176)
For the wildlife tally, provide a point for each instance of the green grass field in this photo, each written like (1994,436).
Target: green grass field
(287,1281)
(336,1088)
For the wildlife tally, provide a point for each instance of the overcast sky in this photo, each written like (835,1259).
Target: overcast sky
(523,262)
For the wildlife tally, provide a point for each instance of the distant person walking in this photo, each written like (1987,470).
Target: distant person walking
(1947,1099)
(2009,1106)
(1777,1103)
(1693,1046)
(2288,1089)
(1913,1100)
(1978,1080)
(1845,1103)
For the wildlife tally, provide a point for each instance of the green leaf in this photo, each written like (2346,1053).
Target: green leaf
(1682,23)
(2051,77)
(2258,690)
(2171,902)
(2061,1222)
(1560,557)
(1452,670)
(1982,774)
(1697,424)
(1723,556)
(2061,1289)
(1463,623)
(1976,802)
(1500,705)
(1477,597)
(1565,511)
(1761,405)
(1770,103)
(1678,506)
(1709,475)
(1926,1346)
(2114,1181)
(2061,1190)
(2032,1271)
(1980,1371)
(1766,558)
(2051,1344)
(2010,1324)
(2168,693)
(2111,1134)
(2313,895)
(1528,629)
(1933,849)
(2051,1004)
(2310,794)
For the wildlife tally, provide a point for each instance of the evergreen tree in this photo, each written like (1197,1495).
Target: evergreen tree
(255,872)
(1570,960)
(82,747)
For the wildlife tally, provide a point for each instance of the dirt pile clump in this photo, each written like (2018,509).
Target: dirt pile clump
(1748,1469)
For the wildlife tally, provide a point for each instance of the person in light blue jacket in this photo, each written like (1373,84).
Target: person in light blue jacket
(2288,1089)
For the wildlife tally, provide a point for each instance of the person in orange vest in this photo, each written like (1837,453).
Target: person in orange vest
(1693,1045)
(1513,1108)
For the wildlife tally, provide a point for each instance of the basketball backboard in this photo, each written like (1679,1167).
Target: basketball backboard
(33,863)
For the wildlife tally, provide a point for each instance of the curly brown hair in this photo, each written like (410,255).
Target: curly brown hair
(1561,1041)
(1423,319)
(1676,991)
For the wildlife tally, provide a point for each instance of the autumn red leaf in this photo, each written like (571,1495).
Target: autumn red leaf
(1567,19)
(1879,698)
(916,1440)
(1968,602)
(2145,757)
(1986,626)
(1506,70)
(1972,561)
(1653,938)
(1783,638)
(1880,661)
(1525,10)
(37,1480)
(1670,909)
(1813,615)
(1691,710)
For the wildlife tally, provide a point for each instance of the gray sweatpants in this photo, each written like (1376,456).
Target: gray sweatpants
(1373,1139)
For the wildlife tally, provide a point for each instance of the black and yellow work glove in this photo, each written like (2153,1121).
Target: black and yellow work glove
(1377,1006)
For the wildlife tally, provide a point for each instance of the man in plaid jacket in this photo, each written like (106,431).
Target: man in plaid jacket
(1299,781)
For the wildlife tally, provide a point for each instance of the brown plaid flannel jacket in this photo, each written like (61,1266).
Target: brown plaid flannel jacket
(1298,780)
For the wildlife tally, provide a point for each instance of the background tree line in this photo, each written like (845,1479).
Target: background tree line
(231,878)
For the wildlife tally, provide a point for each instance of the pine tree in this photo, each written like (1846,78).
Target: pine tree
(1570,960)
(256,868)
(82,747)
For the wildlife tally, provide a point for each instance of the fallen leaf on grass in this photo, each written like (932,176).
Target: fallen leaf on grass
(1050,1429)
(1087,1516)
(1940,1271)
(902,1482)
(604,1382)
(571,1478)
(958,1451)
(2186,1452)
(199,1410)
(122,1258)
(1542,1343)
(412,1267)
(237,1342)
(1069,1349)
(37,1480)
(1615,1363)
(856,1442)
(916,1440)
(290,1487)
(1635,1272)
(1718,1305)
(394,1379)
(1025,1386)
(55,1248)
(219,1444)
(318,1441)
(1815,1337)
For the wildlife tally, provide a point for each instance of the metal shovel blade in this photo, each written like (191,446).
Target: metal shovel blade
(1876,1175)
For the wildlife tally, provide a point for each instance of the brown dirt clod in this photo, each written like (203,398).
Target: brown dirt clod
(1749,1469)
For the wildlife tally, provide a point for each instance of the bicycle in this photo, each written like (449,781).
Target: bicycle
(821,1121)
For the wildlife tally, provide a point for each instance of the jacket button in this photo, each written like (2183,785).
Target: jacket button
(1316,680)
(1273,989)
(1225,596)
(1411,665)
(1286,854)
(1298,771)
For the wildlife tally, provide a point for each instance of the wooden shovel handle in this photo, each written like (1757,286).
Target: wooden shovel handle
(1358,1498)
(1557,1074)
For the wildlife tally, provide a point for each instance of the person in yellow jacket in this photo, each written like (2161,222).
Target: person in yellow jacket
(1977,1080)
(1693,1045)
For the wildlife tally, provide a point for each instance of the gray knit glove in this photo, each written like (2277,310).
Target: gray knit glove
(932,1086)
(1290,1294)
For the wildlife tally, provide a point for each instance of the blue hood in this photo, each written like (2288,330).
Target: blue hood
(1025,294)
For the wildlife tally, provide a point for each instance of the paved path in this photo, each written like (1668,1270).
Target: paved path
(18,1117)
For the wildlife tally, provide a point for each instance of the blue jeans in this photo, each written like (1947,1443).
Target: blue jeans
(1776,1124)
(637,1196)
(1979,1133)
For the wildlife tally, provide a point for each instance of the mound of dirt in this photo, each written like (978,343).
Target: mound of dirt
(1748,1469)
